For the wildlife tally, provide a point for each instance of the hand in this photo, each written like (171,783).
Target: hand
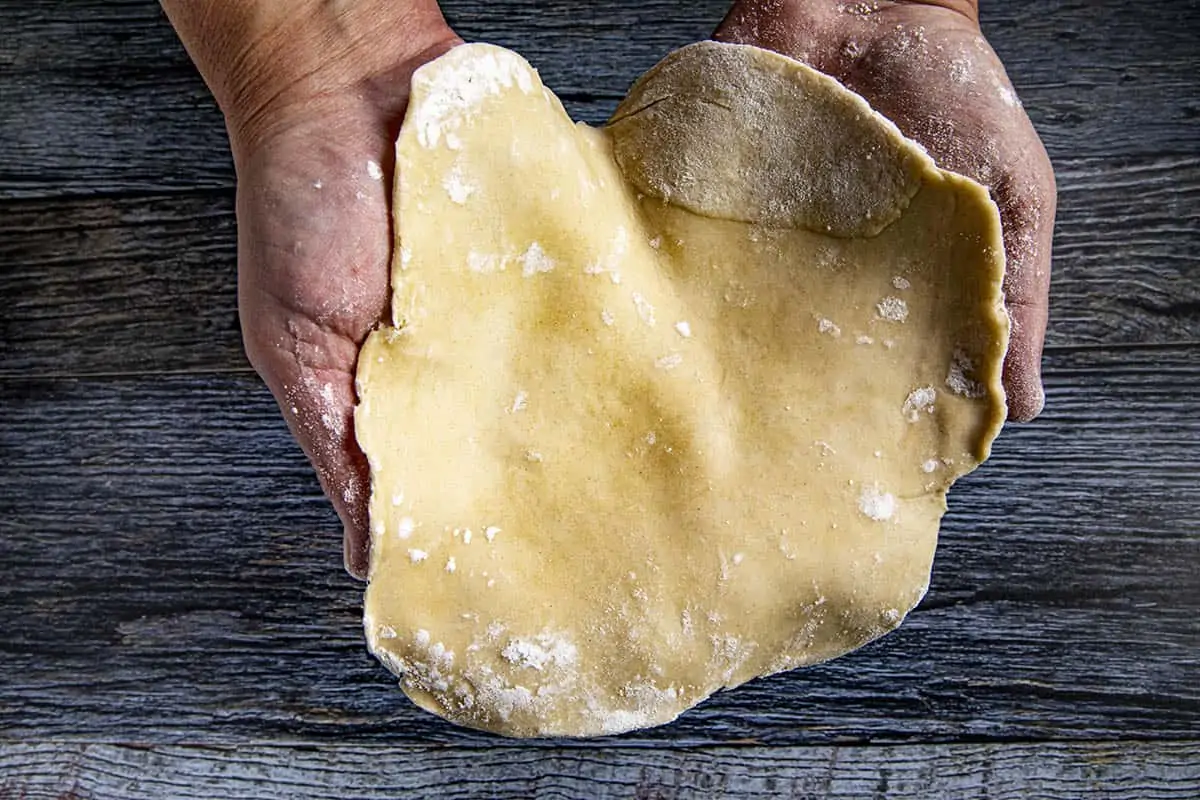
(313,145)
(927,67)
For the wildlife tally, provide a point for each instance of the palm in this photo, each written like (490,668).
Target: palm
(314,246)
(928,69)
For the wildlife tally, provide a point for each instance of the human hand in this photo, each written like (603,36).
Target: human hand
(313,100)
(927,67)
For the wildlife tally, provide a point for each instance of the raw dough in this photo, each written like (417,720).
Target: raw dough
(665,406)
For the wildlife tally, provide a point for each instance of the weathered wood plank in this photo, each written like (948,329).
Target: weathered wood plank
(174,576)
(148,283)
(100,97)
(102,285)
(1116,770)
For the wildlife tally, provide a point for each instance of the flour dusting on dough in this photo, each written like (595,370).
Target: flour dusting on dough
(535,260)
(960,377)
(876,504)
(893,309)
(405,527)
(484,263)
(919,400)
(644,309)
(451,93)
(538,652)
(669,362)
(457,186)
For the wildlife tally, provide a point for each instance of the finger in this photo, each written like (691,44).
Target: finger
(1026,196)
(311,375)
(1023,363)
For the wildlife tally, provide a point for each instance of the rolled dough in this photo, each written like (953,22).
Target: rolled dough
(668,405)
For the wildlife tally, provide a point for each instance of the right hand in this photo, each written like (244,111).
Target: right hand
(926,66)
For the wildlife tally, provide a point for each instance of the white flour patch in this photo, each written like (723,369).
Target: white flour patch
(460,84)
(644,309)
(330,418)
(611,261)
(669,362)
(374,171)
(876,504)
(457,186)
(892,309)
(960,377)
(919,400)
(405,527)
(484,263)
(541,651)
(829,327)
(535,261)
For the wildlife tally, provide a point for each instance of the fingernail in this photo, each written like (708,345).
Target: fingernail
(352,557)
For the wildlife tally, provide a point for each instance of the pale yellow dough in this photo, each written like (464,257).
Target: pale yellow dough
(669,405)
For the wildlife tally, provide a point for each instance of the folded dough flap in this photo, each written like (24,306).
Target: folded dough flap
(739,133)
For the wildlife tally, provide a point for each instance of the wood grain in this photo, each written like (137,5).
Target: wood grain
(113,105)
(148,284)
(1104,771)
(174,619)
(179,580)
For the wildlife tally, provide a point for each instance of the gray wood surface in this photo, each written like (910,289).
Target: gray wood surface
(99,96)
(1108,770)
(174,620)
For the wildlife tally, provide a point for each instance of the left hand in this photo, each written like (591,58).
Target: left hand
(313,95)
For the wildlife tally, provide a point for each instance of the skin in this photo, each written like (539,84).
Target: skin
(314,91)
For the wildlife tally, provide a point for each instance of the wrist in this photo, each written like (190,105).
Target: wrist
(262,59)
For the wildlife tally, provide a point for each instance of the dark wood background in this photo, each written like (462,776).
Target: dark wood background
(174,618)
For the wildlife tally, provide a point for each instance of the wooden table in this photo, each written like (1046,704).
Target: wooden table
(174,618)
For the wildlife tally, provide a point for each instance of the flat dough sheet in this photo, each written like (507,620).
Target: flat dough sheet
(668,405)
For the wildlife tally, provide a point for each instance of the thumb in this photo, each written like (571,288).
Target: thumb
(319,409)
